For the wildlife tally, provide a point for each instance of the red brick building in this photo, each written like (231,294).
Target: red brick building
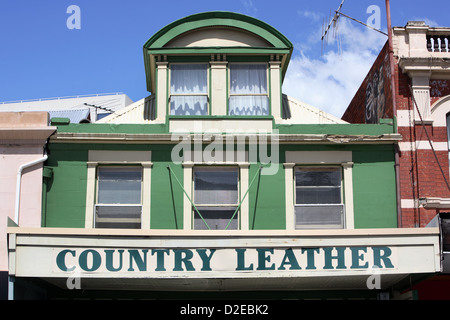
(418,96)
(411,84)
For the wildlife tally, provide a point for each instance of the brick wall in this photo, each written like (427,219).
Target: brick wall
(420,173)
(373,100)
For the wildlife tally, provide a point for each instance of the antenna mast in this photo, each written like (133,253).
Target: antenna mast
(334,22)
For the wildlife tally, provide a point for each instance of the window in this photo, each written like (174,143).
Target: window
(318,198)
(188,89)
(248,89)
(216,198)
(119,200)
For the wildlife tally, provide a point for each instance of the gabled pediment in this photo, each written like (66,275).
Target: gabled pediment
(218,33)
(218,37)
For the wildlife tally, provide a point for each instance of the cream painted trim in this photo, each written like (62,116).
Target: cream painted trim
(187,206)
(188,187)
(217,126)
(439,110)
(342,158)
(394,232)
(435,203)
(409,203)
(146,191)
(243,180)
(318,157)
(161,96)
(275,89)
(90,194)
(218,97)
(97,157)
(423,145)
(289,199)
(348,195)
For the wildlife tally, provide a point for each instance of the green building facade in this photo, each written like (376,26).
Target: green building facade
(218,185)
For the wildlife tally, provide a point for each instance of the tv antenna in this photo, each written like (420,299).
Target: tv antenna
(334,22)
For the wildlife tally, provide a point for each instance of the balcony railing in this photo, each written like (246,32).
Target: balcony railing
(438,42)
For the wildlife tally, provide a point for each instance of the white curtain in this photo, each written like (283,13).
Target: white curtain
(188,89)
(248,89)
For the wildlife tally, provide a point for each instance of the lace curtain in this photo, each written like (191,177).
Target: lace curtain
(248,89)
(188,89)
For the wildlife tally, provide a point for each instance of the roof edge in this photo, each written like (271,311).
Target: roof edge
(219,15)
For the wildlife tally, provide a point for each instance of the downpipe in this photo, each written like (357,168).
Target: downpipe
(19,181)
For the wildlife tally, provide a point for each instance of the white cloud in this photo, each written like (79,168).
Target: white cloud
(428,22)
(249,6)
(314,16)
(330,81)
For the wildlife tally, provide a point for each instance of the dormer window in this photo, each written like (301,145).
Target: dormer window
(248,89)
(188,89)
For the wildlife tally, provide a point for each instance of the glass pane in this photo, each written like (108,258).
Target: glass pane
(118,217)
(216,218)
(318,177)
(249,105)
(188,78)
(216,187)
(321,195)
(188,105)
(318,216)
(248,78)
(119,185)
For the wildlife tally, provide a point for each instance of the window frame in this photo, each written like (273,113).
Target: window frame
(267,94)
(188,187)
(341,195)
(121,219)
(319,158)
(98,158)
(234,206)
(170,94)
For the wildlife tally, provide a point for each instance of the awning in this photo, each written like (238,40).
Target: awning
(178,260)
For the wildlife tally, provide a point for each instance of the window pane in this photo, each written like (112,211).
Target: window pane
(118,217)
(318,185)
(216,187)
(248,79)
(216,218)
(188,105)
(318,198)
(249,105)
(119,185)
(318,177)
(319,216)
(318,195)
(188,78)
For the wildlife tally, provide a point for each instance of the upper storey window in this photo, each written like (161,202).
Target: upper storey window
(248,89)
(119,197)
(188,89)
(318,197)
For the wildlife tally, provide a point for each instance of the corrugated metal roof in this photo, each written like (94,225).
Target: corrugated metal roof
(142,111)
(75,116)
(293,112)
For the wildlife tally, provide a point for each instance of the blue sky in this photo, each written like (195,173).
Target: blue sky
(40,57)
